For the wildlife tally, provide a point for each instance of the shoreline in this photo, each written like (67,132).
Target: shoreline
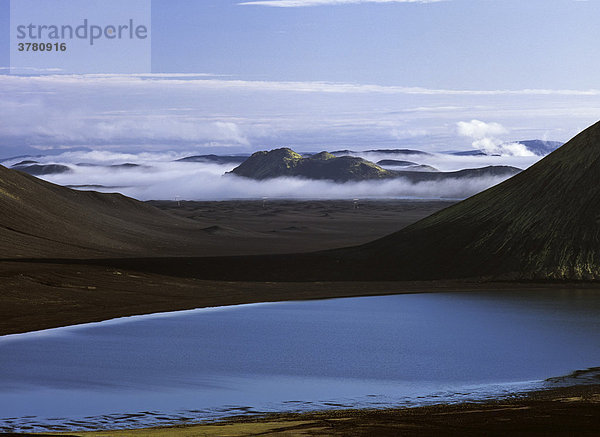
(122,300)
(47,292)
(131,318)
(513,415)
(43,294)
(522,410)
(507,406)
(561,411)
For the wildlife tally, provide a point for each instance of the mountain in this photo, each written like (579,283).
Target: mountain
(416,175)
(127,165)
(543,223)
(541,147)
(41,169)
(398,152)
(287,163)
(383,152)
(469,153)
(86,256)
(26,162)
(396,163)
(343,152)
(40,219)
(425,168)
(405,165)
(217,159)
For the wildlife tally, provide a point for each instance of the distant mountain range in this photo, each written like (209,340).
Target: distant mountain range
(405,165)
(469,153)
(540,147)
(396,163)
(285,162)
(537,147)
(35,169)
(496,171)
(352,167)
(217,159)
(406,152)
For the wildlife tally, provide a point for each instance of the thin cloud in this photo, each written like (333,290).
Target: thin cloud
(157,112)
(299,87)
(307,3)
(480,129)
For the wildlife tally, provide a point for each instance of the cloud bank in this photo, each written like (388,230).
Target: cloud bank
(159,176)
(207,182)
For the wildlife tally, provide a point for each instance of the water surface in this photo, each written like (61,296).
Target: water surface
(357,352)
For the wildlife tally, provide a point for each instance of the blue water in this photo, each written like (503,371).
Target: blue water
(293,356)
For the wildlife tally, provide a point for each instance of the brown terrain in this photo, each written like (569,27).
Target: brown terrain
(74,257)
(59,247)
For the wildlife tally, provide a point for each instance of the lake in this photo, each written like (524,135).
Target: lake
(400,350)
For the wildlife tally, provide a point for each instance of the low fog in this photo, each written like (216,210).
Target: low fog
(447,162)
(158,176)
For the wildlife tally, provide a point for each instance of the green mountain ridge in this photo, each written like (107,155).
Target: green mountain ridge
(285,162)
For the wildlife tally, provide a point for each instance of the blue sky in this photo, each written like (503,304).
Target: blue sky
(368,74)
(465,44)
(4,32)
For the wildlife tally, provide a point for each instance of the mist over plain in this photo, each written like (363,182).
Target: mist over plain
(160,176)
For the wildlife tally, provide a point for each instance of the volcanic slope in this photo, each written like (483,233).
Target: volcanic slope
(543,223)
(39,219)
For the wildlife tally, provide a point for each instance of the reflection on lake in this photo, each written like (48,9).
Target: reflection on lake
(358,352)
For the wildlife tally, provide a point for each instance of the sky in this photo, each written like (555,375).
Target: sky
(233,77)
(453,44)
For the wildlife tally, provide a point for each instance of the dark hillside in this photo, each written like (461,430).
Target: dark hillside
(542,223)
